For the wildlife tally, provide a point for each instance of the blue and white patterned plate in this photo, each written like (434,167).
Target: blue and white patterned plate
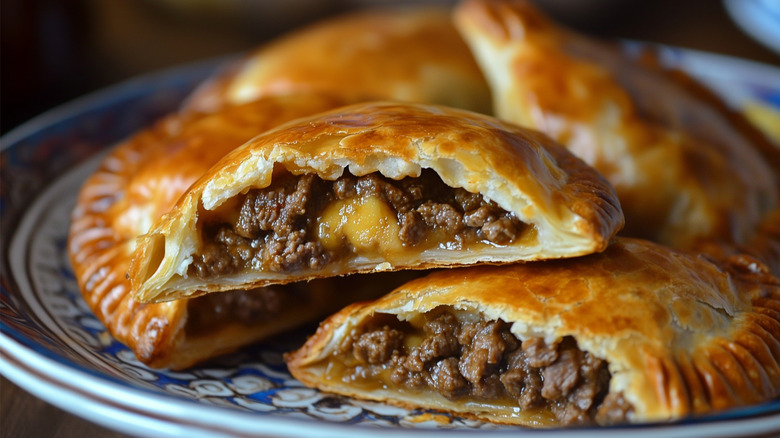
(52,346)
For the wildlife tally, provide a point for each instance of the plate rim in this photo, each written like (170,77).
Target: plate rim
(15,356)
(177,426)
(105,95)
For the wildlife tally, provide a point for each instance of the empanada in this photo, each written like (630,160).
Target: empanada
(637,333)
(682,169)
(138,182)
(764,248)
(411,54)
(375,187)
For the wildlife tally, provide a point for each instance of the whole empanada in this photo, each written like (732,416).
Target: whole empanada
(637,333)
(136,184)
(375,187)
(411,54)
(684,169)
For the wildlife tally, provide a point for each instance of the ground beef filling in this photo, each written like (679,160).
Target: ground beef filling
(483,360)
(276,227)
(206,312)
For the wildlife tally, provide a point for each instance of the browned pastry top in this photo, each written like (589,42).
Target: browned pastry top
(685,168)
(137,183)
(571,208)
(411,54)
(681,335)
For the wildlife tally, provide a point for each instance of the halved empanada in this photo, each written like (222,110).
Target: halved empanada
(411,54)
(135,185)
(375,187)
(637,333)
(682,169)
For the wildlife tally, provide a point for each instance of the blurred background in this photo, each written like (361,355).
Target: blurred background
(56,50)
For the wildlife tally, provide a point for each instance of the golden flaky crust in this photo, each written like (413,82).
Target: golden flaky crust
(682,336)
(135,185)
(572,208)
(683,168)
(411,54)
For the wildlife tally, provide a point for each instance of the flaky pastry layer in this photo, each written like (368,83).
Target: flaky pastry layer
(681,335)
(133,187)
(684,168)
(573,210)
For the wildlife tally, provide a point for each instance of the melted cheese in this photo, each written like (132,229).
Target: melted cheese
(366,223)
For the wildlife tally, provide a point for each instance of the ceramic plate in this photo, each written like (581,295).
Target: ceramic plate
(758,18)
(52,346)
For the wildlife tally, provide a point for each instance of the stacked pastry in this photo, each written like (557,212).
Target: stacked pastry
(537,314)
(142,178)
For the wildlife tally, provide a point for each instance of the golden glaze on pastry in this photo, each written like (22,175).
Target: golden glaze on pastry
(682,168)
(680,336)
(763,250)
(134,185)
(556,205)
(407,54)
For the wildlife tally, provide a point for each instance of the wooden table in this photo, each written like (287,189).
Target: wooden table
(23,415)
(701,25)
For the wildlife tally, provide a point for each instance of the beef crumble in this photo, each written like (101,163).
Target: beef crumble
(277,225)
(483,360)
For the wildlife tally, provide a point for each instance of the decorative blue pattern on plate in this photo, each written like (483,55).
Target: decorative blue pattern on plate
(53,346)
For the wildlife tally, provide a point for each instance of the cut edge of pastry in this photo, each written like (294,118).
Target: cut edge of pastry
(317,358)
(706,371)
(129,189)
(569,209)
(229,336)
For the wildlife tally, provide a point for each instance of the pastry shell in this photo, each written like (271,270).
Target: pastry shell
(574,210)
(685,168)
(134,185)
(411,54)
(682,336)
